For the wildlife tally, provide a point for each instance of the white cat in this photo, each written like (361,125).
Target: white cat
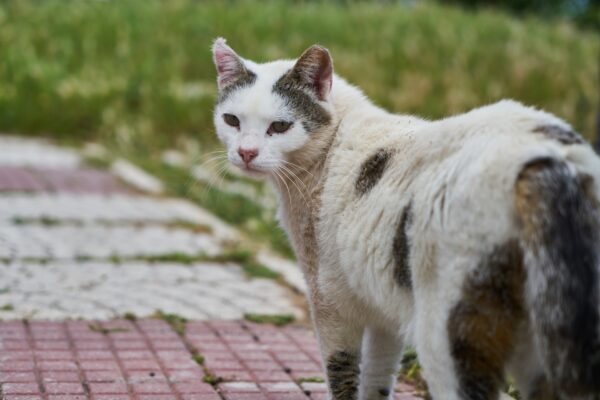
(475,237)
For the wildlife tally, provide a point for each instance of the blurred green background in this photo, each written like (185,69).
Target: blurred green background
(137,77)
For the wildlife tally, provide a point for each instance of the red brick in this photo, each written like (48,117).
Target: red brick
(67,397)
(287,396)
(21,397)
(14,345)
(178,363)
(293,356)
(255,356)
(232,375)
(193,387)
(50,345)
(20,388)
(151,388)
(112,397)
(53,355)
(139,364)
(245,396)
(57,366)
(301,366)
(106,387)
(95,355)
(145,376)
(98,365)
(185,375)
(264,366)
(239,387)
(130,344)
(135,355)
(64,388)
(281,387)
(60,376)
(167,345)
(201,396)
(272,376)
(15,366)
(90,345)
(155,397)
(19,355)
(104,376)
(17,377)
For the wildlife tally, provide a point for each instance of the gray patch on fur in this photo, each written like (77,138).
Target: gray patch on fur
(371,171)
(245,79)
(559,134)
(343,373)
(401,249)
(560,222)
(299,98)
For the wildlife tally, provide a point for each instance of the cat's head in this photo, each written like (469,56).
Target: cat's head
(273,114)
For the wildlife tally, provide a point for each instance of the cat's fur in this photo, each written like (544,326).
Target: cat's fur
(474,237)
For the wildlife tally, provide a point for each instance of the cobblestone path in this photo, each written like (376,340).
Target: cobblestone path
(76,242)
(148,360)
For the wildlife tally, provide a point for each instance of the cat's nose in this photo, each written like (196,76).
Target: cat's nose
(248,154)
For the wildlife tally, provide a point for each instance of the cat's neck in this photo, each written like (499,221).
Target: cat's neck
(300,183)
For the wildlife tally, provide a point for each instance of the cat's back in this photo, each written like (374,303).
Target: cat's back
(449,181)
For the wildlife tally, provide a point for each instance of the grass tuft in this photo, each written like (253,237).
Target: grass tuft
(278,320)
(177,322)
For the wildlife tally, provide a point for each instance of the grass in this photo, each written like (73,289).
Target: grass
(177,322)
(97,327)
(7,307)
(139,72)
(137,75)
(277,320)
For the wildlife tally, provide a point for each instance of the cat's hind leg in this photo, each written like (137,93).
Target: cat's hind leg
(381,354)
(466,322)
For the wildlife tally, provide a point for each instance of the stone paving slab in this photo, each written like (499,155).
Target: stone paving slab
(147,360)
(77,242)
(24,152)
(82,180)
(101,290)
(114,208)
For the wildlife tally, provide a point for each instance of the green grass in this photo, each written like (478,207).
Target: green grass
(278,320)
(177,322)
(137,75)
(140,71)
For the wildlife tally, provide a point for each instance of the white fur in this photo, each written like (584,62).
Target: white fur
(458,174)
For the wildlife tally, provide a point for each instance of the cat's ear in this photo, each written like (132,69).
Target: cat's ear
(229,65)
(315,70)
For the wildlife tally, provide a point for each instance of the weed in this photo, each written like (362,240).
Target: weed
(278,320)
(177,322)
(97,327)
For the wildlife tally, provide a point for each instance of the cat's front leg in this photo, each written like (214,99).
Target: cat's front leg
(340,344)
(380,361)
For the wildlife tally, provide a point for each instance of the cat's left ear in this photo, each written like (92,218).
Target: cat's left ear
(315,70)
(229,65)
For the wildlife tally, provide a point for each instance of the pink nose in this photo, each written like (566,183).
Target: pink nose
(248,154)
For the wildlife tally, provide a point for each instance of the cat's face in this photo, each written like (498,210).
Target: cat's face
(268,112)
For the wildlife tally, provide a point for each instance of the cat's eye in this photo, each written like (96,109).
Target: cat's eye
(279,127)
(231,120)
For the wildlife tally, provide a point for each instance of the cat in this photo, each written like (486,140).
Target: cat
(473,238)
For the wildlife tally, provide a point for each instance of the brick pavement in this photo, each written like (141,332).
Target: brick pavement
(148,360)
(73,240)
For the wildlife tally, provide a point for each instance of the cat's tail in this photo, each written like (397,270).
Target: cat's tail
(560,236)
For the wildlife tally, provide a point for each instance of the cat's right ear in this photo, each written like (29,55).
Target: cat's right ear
(314,69)
(229,65)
